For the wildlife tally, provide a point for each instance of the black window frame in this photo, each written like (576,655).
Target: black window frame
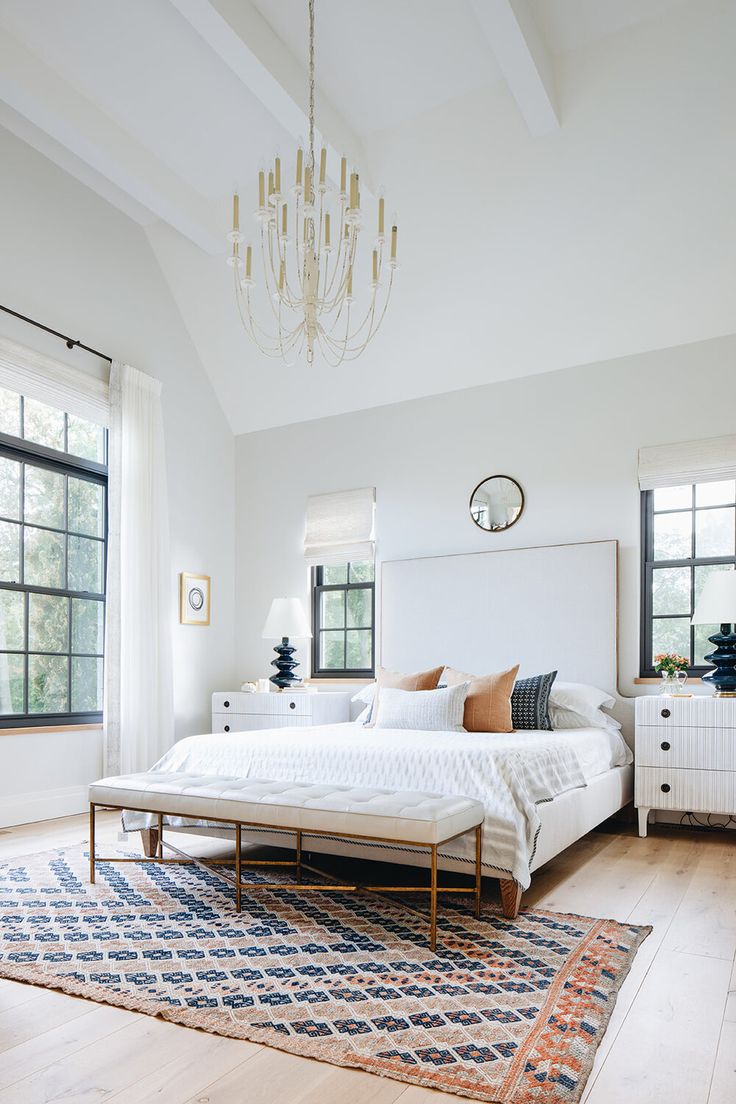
(40,456)
(648,565)
(319,587)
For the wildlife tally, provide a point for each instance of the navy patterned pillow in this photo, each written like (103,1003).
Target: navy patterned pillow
(530,702)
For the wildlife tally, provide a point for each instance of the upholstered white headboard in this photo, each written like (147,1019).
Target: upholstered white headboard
(548,608)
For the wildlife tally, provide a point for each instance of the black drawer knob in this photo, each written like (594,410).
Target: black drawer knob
(292,705)
(666,713)
(665,787)
(226,704)
(665,745)
(227,728)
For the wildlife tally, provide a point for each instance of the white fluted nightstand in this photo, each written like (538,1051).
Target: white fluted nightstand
(234,711)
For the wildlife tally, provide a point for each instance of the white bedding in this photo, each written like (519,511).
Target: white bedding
(510,773)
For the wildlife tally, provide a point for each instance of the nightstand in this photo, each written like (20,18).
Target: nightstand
(234,711)
(685,755)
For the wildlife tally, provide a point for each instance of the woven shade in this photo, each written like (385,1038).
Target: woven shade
(47,380)
(687,462)
(339,527)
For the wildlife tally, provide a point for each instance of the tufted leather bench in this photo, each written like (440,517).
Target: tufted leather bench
(354,812)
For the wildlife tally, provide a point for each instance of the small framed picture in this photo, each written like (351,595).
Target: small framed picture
(194,599)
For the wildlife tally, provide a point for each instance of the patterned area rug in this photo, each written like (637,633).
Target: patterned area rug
(508,1011)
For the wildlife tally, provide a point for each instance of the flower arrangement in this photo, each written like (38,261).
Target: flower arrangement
(670,663)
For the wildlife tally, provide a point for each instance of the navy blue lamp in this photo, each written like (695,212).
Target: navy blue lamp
(717,605)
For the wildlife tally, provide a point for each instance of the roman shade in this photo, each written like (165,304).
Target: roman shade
(49,381)
(339,527)
(687,462)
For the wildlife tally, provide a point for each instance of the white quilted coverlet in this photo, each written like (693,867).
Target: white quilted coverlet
(509,773)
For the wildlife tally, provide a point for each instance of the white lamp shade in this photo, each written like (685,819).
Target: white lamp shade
(717,603)
(286,617)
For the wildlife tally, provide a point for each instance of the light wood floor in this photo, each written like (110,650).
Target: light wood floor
(672,1039)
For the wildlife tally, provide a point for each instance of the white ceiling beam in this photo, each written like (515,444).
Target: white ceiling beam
(523,59)
(37,94)
(246,42)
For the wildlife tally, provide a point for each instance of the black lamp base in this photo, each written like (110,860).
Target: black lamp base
(285,666)
(723,679)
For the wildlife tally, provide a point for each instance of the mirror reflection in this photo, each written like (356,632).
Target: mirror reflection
(496,503)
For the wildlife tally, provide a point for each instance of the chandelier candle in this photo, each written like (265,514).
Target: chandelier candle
(307,282)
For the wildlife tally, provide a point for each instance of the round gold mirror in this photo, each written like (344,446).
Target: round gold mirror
(496,503)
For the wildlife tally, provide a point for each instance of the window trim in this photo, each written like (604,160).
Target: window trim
(23,451)
(318,588)
(646,667)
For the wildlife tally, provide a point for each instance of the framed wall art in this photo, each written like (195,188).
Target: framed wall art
(194,599)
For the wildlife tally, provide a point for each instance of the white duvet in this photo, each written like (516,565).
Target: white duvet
(510,773)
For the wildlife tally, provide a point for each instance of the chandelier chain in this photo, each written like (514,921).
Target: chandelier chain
(311,84)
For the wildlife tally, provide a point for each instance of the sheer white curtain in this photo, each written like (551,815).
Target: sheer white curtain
(138,710)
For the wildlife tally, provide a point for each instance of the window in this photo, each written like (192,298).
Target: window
(53,533)
(688,532)
(343,614)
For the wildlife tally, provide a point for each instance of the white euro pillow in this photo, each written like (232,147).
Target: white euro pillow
(366,695)
(423,710)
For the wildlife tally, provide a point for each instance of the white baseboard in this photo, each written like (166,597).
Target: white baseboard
(42,805)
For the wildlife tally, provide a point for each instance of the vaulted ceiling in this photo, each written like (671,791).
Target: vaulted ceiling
(549,161)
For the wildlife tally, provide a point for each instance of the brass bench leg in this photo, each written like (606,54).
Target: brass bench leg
(433,902)
(478,848)
(238,876)
(92,843)
(298,862)
(160,841)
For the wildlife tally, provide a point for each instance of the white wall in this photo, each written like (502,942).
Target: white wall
(569,437)
(77,264)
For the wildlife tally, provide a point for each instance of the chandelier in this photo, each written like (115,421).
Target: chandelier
(309,251)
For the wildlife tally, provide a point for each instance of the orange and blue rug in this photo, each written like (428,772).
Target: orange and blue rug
(506,1010)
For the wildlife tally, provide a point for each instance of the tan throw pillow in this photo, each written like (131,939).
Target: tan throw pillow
(488,704)
(396,680)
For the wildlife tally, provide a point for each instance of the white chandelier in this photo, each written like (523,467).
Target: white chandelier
(310,255)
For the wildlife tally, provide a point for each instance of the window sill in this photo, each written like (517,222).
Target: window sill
(52,728)
(319,681)
(657,681)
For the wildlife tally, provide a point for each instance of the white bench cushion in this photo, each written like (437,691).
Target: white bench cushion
(386,814)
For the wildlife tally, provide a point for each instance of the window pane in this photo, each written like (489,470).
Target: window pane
(672,536)
(332,613)
(86,685)
(9,412)
(359,608)
(85,565)
(48,691)
(9,488)
(44,558)
(86,509)
(358,649)
(716,494)
(715,532)
(671,634)
(85,439)
(673,498)
(332,650)
(9,552)
(362,572)
(671,590)
(44,497)
(12,684)
(48,623)
(88,626)
(12,620)
(337,573)
(703,645)
(43,424)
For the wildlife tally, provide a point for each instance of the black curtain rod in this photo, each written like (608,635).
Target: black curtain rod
(70,342)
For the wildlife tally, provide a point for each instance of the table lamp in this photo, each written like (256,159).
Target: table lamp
(286,618)
(717,605)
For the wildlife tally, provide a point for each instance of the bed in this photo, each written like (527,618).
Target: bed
(542,790)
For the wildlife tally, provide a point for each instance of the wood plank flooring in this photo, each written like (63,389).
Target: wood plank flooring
(672,1038)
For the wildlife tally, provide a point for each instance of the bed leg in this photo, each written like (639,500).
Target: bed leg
(149,842)
(510,898)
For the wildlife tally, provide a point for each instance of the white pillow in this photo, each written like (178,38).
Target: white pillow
(366,695)
(423,710)
(577,705)
(364,716)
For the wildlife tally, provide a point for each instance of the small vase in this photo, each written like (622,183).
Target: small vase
(673,683)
